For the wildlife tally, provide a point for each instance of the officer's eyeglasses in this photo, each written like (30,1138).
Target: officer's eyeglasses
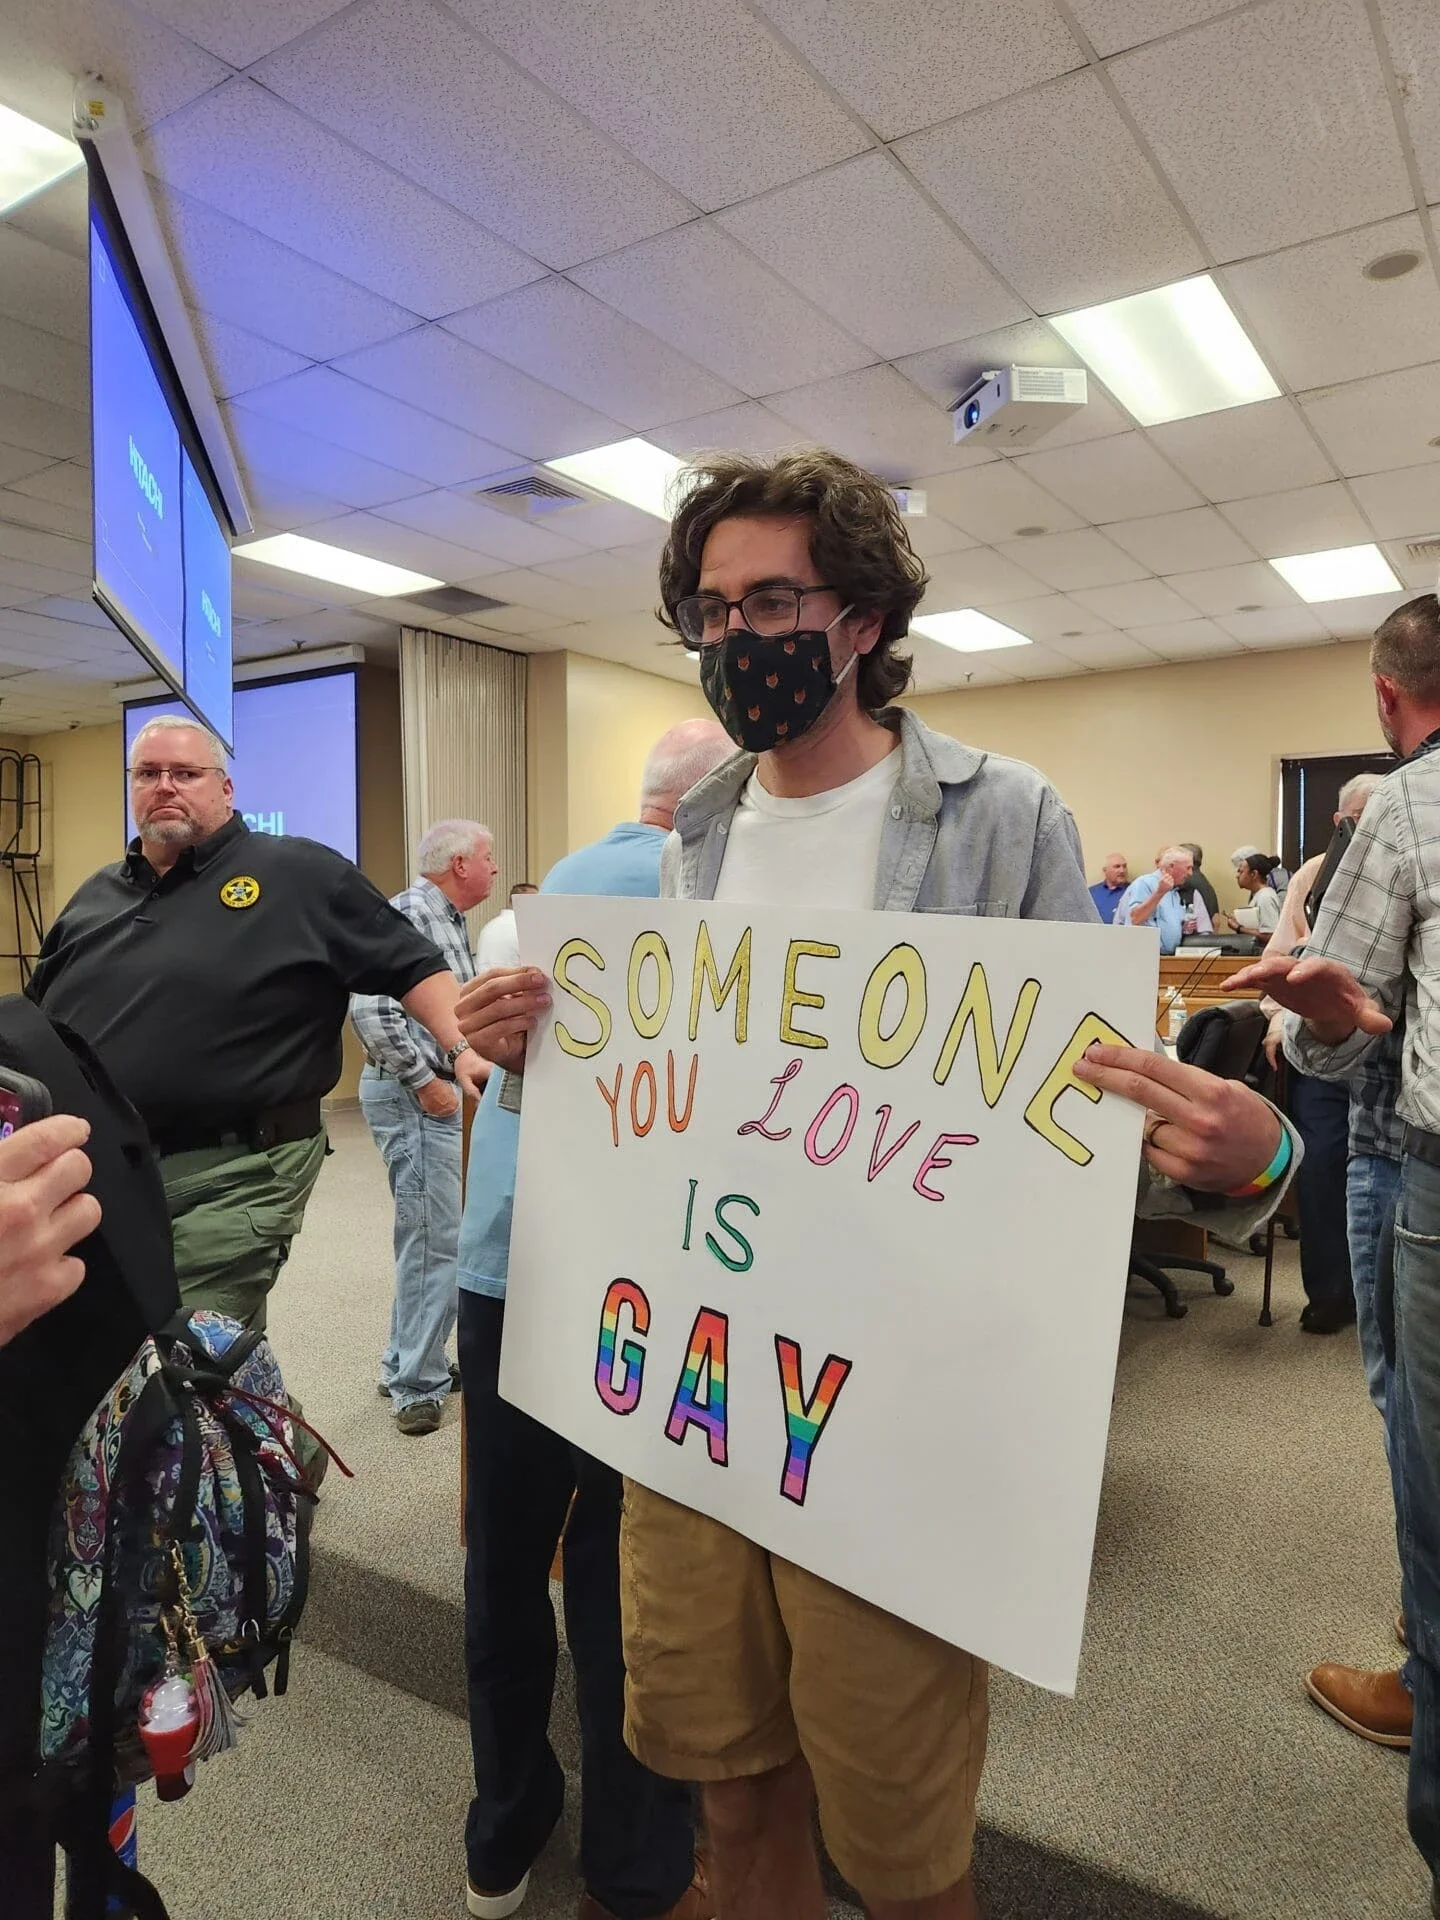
(771,612)
(177,776)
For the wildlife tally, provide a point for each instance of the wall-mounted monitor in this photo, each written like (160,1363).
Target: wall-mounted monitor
(162,540)
(296,759)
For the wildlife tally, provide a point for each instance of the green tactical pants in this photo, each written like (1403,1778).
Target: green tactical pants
(233,1213)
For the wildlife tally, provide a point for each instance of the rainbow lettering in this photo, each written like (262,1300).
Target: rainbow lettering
(704,1362)
(805,1420)
(624,1397)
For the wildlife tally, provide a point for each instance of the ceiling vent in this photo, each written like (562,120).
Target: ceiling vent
(533,495)
(458,602)
(1424,549)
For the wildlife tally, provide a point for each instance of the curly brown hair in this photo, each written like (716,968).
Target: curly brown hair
(858,542)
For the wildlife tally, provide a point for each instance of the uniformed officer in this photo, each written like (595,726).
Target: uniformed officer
(211,970)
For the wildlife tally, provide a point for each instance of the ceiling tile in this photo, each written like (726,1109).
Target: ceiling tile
(445,376)
(562,335)
(875,417)
(1083,558)
(59,217)
(930,535)
(279,505)
(1053,617)
(242,33)
(51,516)
(748,428)
(1185,639)
(22,580)
(1273,124)
(405,80)
(1274,627)
(516,622)
(269,446)
(255,283)
(41,287)
(914,62)
(1318,320)
(1176,542)
(544,592)
(255,598)
(43,426)
(1119,478)
(465,522)
(1418,575)
(701,291)
(258,160)
(381,539)
(1392,420)
(329,627)
(1106,650)
(1092,222)
(1040,663)
(1409,28)
(1224,590)
(16,463)
(1310,520)
(862,243)
(1357,619)
(65,555)
(606,523)
(979,577)
(1135,603)
(237,361)
(724,110)
(324,403)
(611,582)
(1244,450)
(1113,25)
(995,501)
(153,70)
(1401,505)
(43,365)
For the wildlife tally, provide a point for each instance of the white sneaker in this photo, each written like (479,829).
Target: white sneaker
(496,1906)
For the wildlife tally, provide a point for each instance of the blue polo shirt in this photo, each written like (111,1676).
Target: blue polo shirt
(625,862)
(1106,900)
(1168,918)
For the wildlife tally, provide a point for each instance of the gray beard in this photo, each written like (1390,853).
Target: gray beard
(172,833)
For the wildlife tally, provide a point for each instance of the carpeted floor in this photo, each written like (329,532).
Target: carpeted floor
(1244,1534)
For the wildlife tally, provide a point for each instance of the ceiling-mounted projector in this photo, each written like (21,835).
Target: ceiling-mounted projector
(1014,407)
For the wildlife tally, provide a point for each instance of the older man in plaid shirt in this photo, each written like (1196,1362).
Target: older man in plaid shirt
(411,1102)
(1376,953)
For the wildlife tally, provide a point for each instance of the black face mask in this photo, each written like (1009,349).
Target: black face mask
(766,693)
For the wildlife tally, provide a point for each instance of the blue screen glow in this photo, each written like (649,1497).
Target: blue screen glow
(294,765)
(207,605)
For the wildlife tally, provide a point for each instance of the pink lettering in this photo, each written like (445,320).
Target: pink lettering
(780,1082)
(851,1099)
(879,1161)
(936,1159)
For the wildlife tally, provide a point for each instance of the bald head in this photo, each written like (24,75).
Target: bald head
(676,762)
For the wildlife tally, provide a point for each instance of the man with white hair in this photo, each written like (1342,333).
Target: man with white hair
(1152,900)
(409,1098)
(211,970)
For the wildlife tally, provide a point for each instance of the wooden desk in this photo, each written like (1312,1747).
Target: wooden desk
(1202,981)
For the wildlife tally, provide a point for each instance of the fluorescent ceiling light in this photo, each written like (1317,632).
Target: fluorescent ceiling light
(968,631)
(31,158)
(1344,573)
(336,564)
(631,470)
(1171,353)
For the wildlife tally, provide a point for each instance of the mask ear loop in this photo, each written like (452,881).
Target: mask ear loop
(840,677)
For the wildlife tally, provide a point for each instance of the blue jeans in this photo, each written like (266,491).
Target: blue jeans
(1413,1345)
(422,1157)
(1371,1190)
(1321,1112)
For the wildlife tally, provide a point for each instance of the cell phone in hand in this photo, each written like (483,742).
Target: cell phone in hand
(21,1101)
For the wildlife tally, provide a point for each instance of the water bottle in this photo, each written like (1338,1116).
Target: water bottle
(1177,1015)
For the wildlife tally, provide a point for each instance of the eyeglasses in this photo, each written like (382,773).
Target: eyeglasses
(771,612)
(177,776)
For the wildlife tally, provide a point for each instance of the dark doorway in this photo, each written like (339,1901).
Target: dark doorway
(1309,790)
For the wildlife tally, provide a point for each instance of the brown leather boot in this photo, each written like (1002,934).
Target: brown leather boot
(1377,1706)
(696,1903)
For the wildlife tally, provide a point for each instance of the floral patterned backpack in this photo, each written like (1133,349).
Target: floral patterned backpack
(179,1564)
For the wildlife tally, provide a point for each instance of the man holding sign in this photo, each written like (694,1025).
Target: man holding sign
(794,581)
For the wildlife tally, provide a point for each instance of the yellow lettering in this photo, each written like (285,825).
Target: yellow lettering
(888,1050)
(581,1049)
(792,1035)
(737,981)
(650,946)
(995,1068)
(1040,1114)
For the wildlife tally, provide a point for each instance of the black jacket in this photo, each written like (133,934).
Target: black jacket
(53,1374)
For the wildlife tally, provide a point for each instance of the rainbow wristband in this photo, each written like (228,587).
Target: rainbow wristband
(1272,1173)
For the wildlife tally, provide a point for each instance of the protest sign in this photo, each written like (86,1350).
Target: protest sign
(816,1232)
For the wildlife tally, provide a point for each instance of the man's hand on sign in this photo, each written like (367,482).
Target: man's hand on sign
(1325,995)
(44,1211)
(438,1098)
(498,1009)
(1211,1134)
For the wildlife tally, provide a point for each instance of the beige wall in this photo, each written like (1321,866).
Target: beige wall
(1186,752)
(590,724)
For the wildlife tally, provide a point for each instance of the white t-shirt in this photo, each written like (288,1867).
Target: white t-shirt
(499,943)
(820,850)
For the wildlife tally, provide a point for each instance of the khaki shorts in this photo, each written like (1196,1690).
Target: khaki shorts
(736,1661)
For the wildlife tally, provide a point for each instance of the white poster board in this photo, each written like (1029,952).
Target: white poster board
(815,1232)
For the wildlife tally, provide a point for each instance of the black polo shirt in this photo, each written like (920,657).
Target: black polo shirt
(218,991)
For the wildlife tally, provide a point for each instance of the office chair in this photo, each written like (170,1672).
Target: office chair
(1225,1040)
